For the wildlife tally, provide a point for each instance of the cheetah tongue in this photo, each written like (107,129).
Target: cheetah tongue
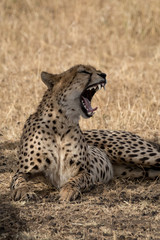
(87,106)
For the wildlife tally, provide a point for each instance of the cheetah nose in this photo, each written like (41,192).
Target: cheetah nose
(103,75)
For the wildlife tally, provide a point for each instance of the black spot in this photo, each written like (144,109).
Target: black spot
(152,154)
(144,158)
(68,131)
(102,146)
(135,150)
(124,135)
(95,144)
(25,154)
(32,152)
(31,146)
(109,145)
(54,121)
(78,163)
(110,139)
(119,153)
(49,114)
(141,147)
(94,135)
(101,161)
(149,145)
(71,162)
(39,160)
(121,147)
(48,160)
(54,129)
(81,169)
(35,167)
(68,150)
(123,174)
(26,160)
(60,111)
(157,165)
(134,139)
(38,154)
(141,143)
(110,151)
(158,160)
(46,126)
(68,144)
(142,153)
(26,167)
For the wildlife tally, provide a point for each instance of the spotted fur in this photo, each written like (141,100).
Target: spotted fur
(53,144)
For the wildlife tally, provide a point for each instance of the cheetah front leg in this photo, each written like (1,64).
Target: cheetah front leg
(75,186)
(20,189)
(99,169)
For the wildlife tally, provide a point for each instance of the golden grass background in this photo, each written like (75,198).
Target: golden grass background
(120,37)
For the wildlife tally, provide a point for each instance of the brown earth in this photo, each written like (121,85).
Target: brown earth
(119,37)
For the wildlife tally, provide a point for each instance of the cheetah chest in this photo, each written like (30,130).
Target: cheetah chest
(63,163)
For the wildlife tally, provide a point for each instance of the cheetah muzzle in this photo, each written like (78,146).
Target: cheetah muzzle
(53,144)
(88,94)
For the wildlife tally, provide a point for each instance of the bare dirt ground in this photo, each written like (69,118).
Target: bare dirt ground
(120,38)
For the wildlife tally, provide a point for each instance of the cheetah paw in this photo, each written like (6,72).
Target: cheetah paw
(23,194)
(68,193)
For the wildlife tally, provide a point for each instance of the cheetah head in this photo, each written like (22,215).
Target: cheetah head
(75,88)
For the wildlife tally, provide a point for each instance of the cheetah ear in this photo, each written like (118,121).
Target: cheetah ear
(48,79)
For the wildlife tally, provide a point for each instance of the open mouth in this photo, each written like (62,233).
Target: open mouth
(87,96)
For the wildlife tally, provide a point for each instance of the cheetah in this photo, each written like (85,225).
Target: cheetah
(52,143)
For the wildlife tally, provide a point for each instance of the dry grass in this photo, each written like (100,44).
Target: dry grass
(119,37)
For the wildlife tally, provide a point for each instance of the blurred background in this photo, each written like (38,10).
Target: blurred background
(119,37)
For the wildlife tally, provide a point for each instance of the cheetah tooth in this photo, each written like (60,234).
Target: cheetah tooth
(90,88)
(89,113)
(103,85)
(99,86)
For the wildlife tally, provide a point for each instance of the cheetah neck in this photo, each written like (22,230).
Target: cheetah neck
(50,107)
